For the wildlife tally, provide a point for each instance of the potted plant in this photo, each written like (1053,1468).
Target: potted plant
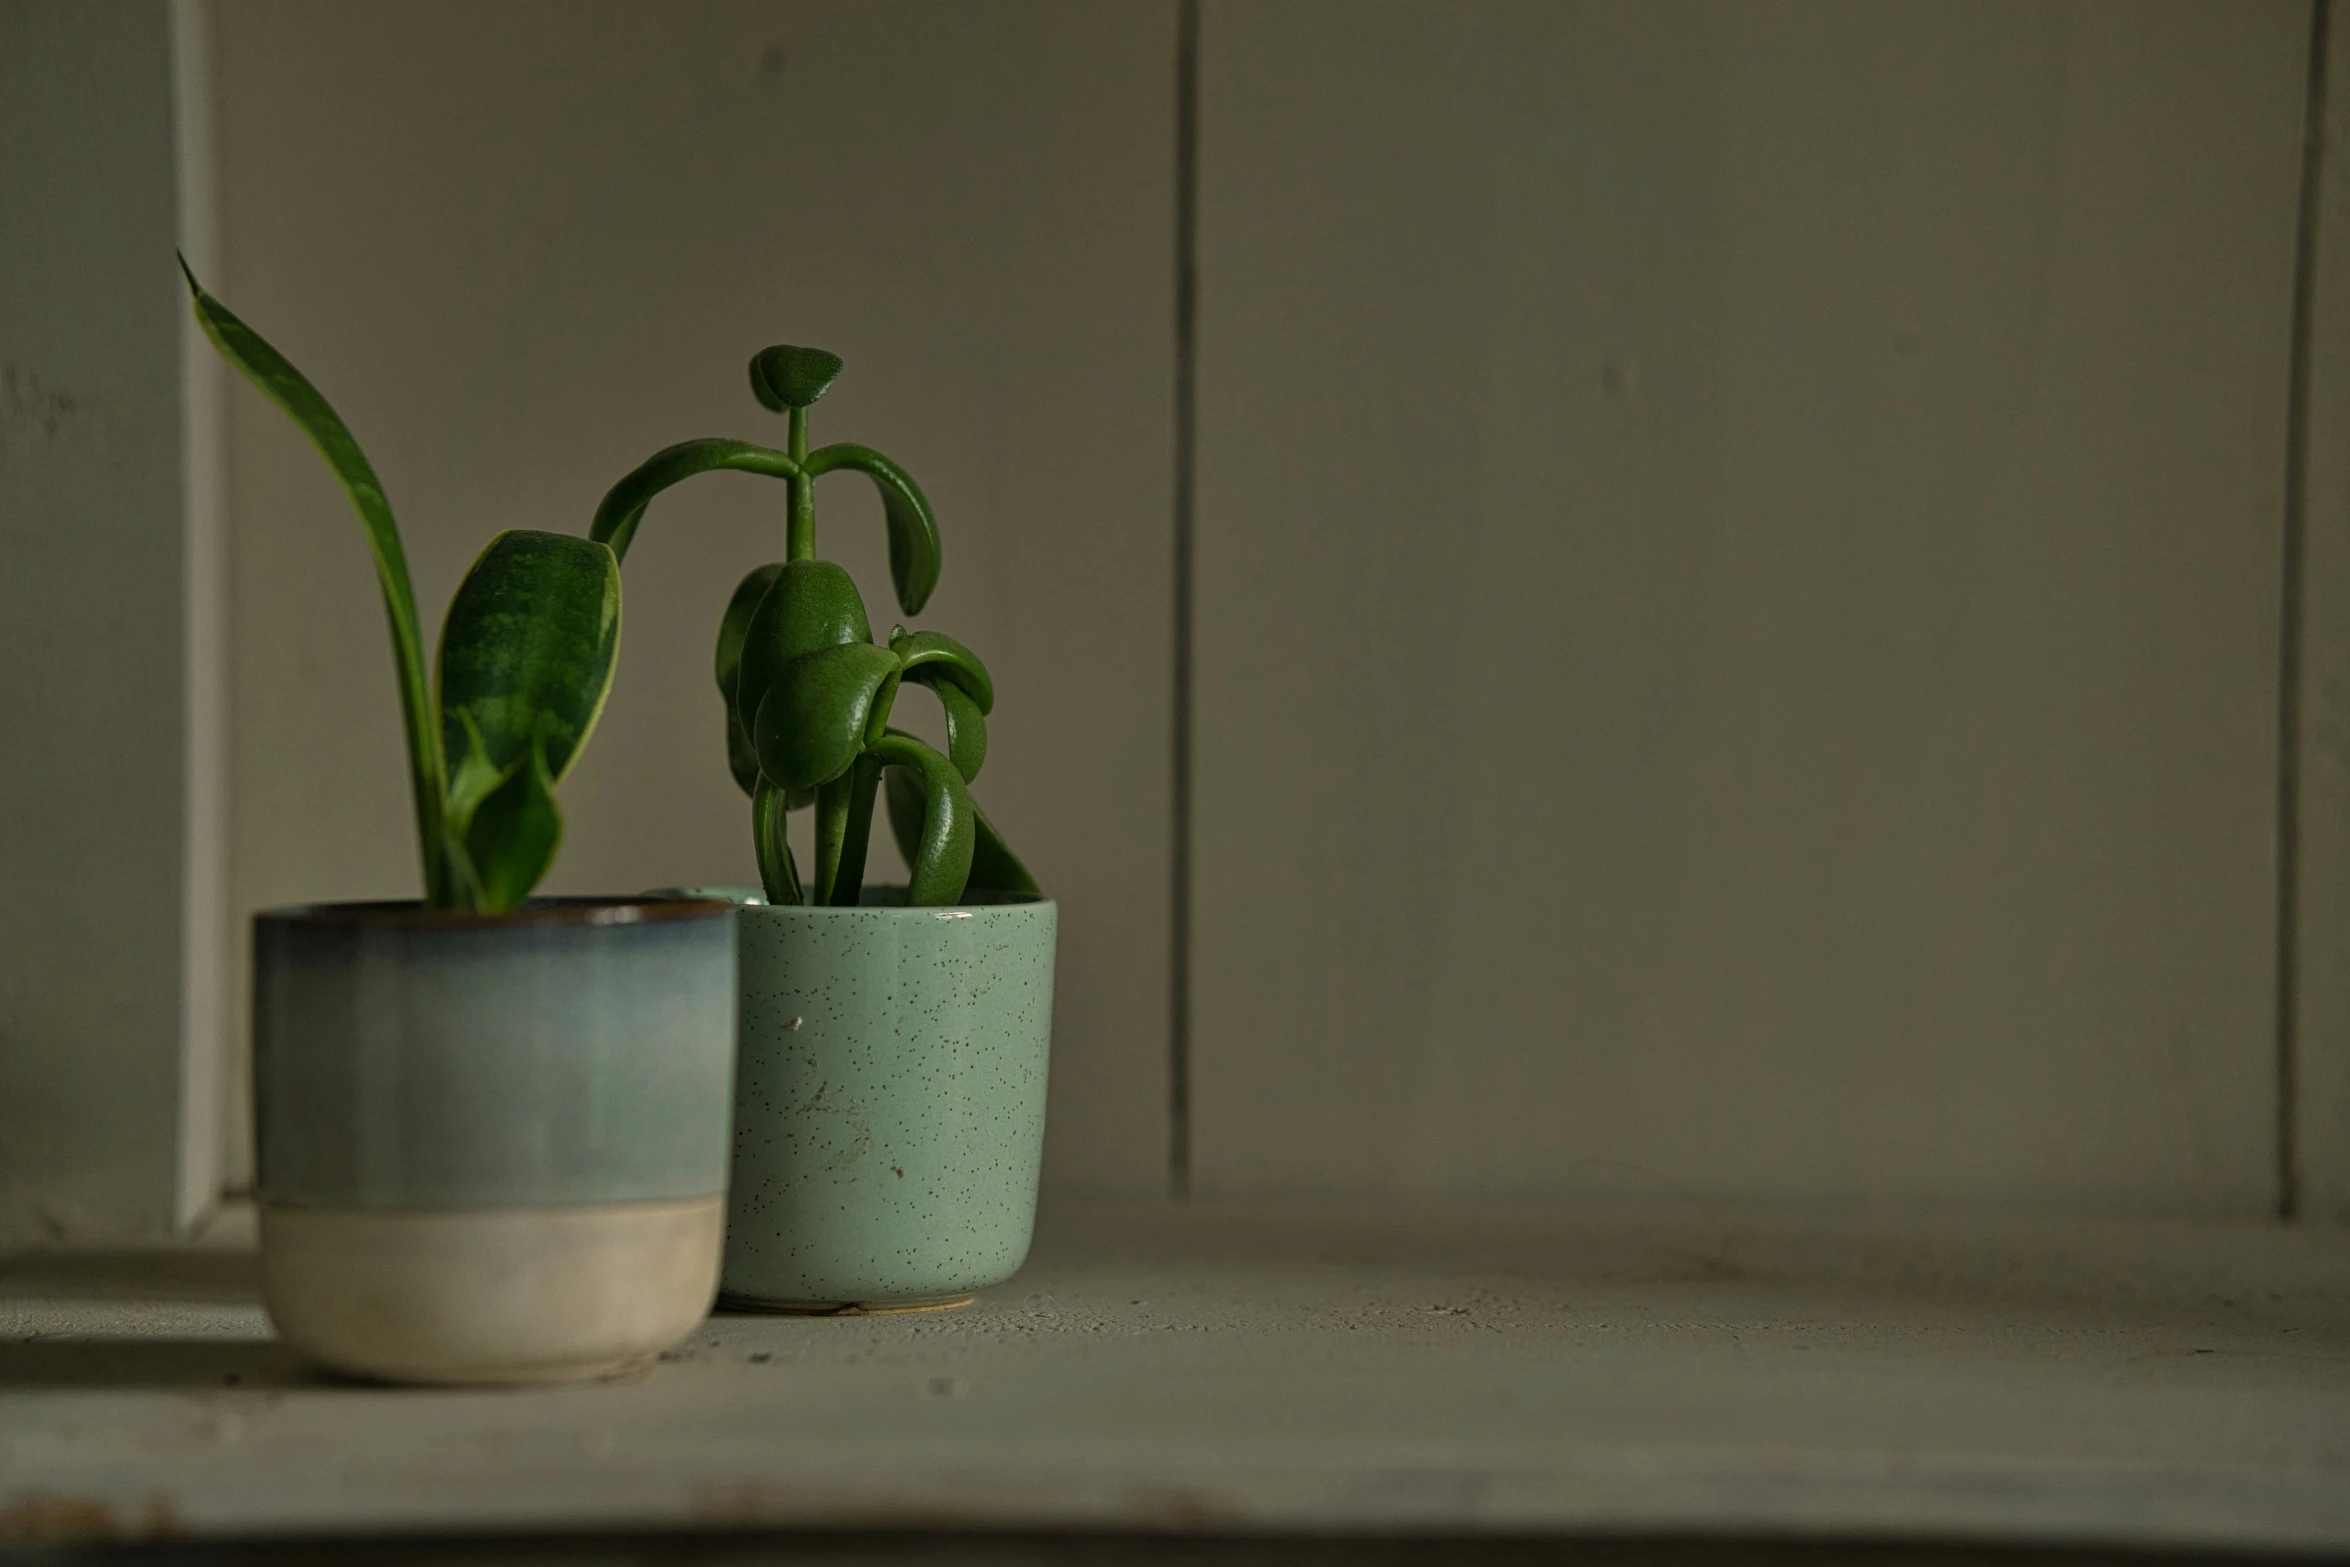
(889,1107)
(492,1132)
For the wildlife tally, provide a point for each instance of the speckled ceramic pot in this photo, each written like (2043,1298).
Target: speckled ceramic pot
(492,1148)
(889,1101)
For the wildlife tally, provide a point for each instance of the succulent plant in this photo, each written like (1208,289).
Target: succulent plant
(809,692)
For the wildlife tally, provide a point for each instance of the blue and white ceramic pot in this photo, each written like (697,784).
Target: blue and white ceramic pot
(492,1148)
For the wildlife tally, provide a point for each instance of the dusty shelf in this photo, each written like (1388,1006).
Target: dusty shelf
(1683,1371)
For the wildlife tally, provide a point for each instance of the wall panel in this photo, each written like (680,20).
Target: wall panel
(1738,597)
(106,1026)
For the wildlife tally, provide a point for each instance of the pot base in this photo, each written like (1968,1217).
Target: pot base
(491,1296)
(848,1308)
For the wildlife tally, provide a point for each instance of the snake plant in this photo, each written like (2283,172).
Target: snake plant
(807,690)
(525,661)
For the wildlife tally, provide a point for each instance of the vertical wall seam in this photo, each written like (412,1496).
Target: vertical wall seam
(2292,619)
(1187,23)
(205,1085)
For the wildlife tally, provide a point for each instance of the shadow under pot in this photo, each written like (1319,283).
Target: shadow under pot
(493,1148)
(889,1103)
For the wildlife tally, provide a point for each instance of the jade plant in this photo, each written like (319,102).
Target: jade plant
(809,692)
(525,661)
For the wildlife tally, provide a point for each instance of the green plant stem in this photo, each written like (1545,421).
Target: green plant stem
(778,876)
(803,492)
(848,881)
(832,833)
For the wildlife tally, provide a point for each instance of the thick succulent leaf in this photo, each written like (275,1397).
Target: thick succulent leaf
(287,387)
(913,531)
(877,717)
(812,724)
(514,834)
(933,656)
(624,504)
(740,758)
(966,729)
(938,839)
(739,609)
(994,867)
(787,377)
(528,648)
(812,604)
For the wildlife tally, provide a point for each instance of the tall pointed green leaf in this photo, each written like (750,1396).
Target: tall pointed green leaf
(287,387)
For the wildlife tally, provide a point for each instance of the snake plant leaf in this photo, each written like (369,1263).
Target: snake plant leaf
(527,651)
(812,604)
(739,756)
(930,656)
(514,834)
(471,777)
(787,377)
(811,725)
(623,506)
(471,781)
(938,838)
(287,387)
(913,531)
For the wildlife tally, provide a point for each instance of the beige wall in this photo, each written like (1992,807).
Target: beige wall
(522,246)
(1738,582)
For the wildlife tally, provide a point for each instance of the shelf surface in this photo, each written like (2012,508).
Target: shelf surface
(1689,1372)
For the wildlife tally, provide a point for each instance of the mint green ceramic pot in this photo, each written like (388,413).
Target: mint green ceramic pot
(492,1148)
(889,1102)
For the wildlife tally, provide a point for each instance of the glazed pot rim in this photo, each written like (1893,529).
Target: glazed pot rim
(412,914)
(986,903)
